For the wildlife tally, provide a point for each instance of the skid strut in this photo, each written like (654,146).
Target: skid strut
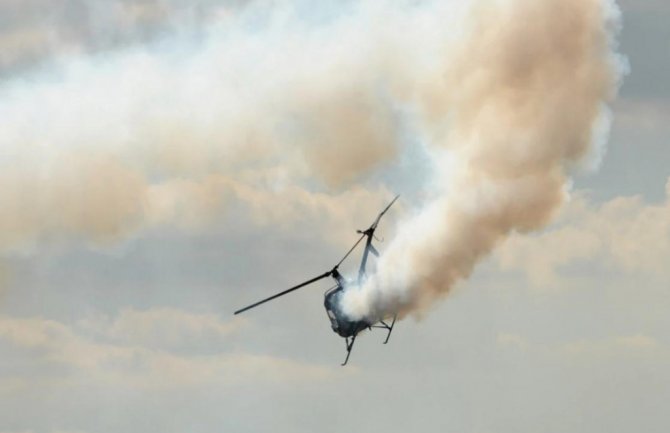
(390,329)
(386,326)
(350,345)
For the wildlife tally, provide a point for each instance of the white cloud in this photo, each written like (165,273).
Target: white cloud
(511,340)
(624,234)
(166,328)
(132,361)
(637,346)
(643,114)
(634,345)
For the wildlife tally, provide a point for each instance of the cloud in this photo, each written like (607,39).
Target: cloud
(623,346)
(643,114)
(35,32)
(162,328)
(88,196)
(624,234)
(512,340)
(633,346)
(134,358)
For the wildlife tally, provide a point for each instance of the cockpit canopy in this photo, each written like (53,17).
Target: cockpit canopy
(339,321)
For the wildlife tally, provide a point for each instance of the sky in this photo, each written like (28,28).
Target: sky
(141,204)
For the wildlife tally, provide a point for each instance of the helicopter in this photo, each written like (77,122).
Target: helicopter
(341,324)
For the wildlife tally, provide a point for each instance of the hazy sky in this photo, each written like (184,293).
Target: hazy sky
(139,209)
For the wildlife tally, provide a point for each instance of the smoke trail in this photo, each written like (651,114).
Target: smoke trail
(270,100)
(246,114)
(270,109)
(524,91)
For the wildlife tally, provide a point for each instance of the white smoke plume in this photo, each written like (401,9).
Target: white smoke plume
(278,108)
(524,93)
(243,113)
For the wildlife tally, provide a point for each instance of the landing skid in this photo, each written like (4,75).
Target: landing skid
(386,326)
(350,345)
(350,342)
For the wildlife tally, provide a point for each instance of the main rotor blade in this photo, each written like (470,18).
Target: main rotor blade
(350,250)
(374,225)
(324,275)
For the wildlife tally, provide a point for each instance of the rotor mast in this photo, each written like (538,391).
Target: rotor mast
(369,248)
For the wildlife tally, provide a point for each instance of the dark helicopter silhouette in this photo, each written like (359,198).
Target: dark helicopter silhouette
(339,321)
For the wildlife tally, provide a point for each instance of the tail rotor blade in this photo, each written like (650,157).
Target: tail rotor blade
(313,280)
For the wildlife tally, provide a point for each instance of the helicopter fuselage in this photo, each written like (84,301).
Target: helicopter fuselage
(339,321)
